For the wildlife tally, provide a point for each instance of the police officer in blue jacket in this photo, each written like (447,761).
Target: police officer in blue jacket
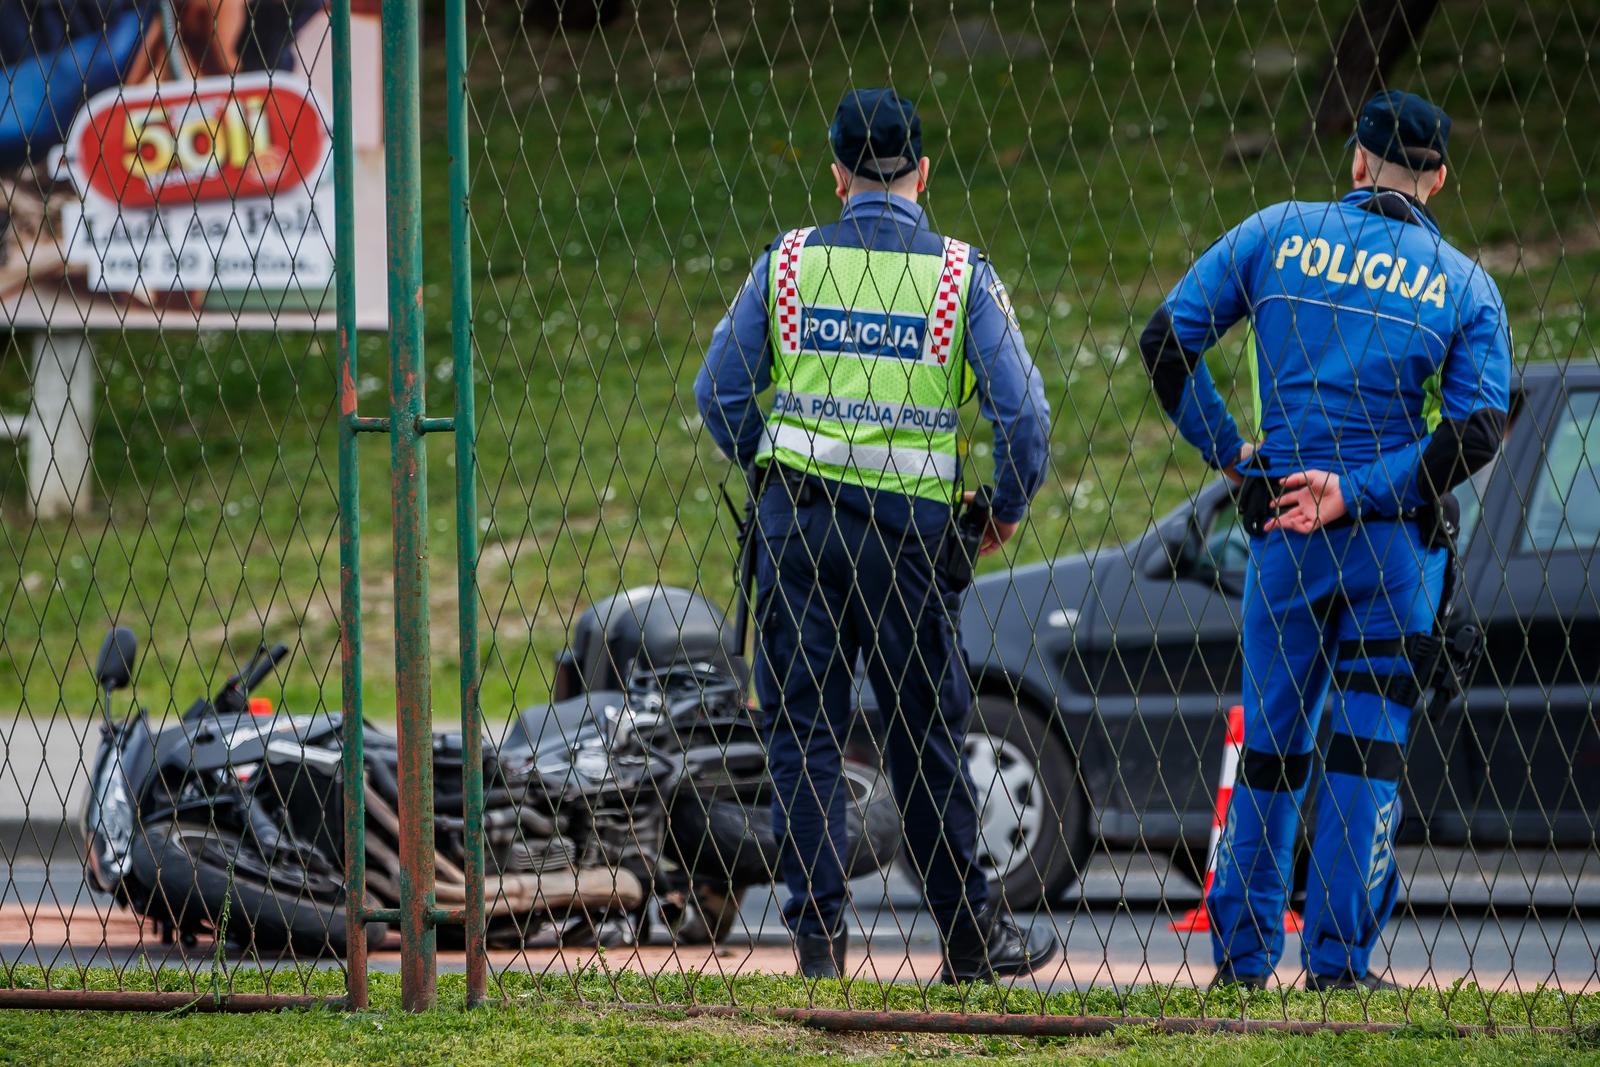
(1382,359)
(873,330)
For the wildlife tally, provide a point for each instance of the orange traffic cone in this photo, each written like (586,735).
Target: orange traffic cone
(1196,920)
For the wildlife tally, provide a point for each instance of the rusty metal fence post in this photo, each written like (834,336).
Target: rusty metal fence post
(354,770)
(419,911)
(465,426)
(409,499)
(230,150)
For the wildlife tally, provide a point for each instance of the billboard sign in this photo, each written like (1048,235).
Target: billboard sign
(205,202)
(215,188)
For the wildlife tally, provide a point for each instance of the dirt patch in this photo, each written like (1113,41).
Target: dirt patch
(498,559)
(755,1029)
(1509,257)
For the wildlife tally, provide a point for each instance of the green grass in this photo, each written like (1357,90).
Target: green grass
(580,1020)
(623,182)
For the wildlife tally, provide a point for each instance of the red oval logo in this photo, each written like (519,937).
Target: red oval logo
(215,139)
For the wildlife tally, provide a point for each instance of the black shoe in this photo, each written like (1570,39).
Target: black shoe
(1326,983)
(992,948)
(822,956)
(1227,976)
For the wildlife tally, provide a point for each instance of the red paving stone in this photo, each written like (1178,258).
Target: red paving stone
(49,932)
(49,935)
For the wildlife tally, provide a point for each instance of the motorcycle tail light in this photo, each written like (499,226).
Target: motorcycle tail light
(260,705)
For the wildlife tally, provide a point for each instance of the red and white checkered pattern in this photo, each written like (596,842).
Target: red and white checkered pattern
(947,300)
(786,290)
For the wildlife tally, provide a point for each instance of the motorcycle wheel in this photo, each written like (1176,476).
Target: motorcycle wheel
(724,842)
(873,818)
(204,878)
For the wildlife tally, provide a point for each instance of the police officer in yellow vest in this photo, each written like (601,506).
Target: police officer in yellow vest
(872,332)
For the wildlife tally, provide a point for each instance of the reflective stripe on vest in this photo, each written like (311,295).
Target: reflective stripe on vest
(868,364)
(907,462)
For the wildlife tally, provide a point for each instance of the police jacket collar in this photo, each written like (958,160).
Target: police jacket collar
(1393,204)
(864,207)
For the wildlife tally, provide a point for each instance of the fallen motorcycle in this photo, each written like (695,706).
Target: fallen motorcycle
(641,791)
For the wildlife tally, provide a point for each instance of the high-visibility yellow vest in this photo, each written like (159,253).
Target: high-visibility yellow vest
(869,365)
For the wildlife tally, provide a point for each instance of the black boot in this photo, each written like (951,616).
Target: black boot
(822,956)
(991,948)
(1369,982)
(1226,976)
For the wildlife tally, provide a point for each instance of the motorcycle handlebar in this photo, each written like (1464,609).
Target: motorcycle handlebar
(260,667)
(236,688)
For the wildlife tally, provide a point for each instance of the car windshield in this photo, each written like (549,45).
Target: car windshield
(1564,513)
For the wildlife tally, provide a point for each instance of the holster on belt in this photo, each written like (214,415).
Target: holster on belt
(799,487)
(1461,647)
(1439,523)
(1255,495)
(958,551)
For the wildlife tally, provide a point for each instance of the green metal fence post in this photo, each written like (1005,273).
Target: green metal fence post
(409,501)
(466,492)
(354,771)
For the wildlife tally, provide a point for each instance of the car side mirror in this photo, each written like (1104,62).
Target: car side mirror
(1197,568)
(113,668)
(1230,582)
(1189,558)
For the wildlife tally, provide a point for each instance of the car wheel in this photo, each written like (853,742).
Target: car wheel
(1032,834)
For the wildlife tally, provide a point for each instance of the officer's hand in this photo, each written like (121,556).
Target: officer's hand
(996,535)
(1232,473)
(1310,499)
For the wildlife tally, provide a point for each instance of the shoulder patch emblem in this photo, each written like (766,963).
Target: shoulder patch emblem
(748,286)
(1002,300)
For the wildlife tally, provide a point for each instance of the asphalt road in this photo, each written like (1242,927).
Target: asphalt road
(1487,918)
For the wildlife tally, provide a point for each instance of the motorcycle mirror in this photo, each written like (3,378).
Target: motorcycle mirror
(114,667)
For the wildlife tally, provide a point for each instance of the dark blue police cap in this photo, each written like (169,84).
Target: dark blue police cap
(876,134)
(1403,128)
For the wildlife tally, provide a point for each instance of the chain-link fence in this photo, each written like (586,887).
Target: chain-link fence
(723,360)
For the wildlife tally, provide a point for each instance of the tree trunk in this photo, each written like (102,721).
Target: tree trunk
(1375,36)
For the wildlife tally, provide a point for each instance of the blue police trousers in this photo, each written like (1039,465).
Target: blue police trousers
(833,587)
(1322,611)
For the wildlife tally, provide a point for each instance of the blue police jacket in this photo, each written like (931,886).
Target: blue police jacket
(738,367)
(1381,353)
